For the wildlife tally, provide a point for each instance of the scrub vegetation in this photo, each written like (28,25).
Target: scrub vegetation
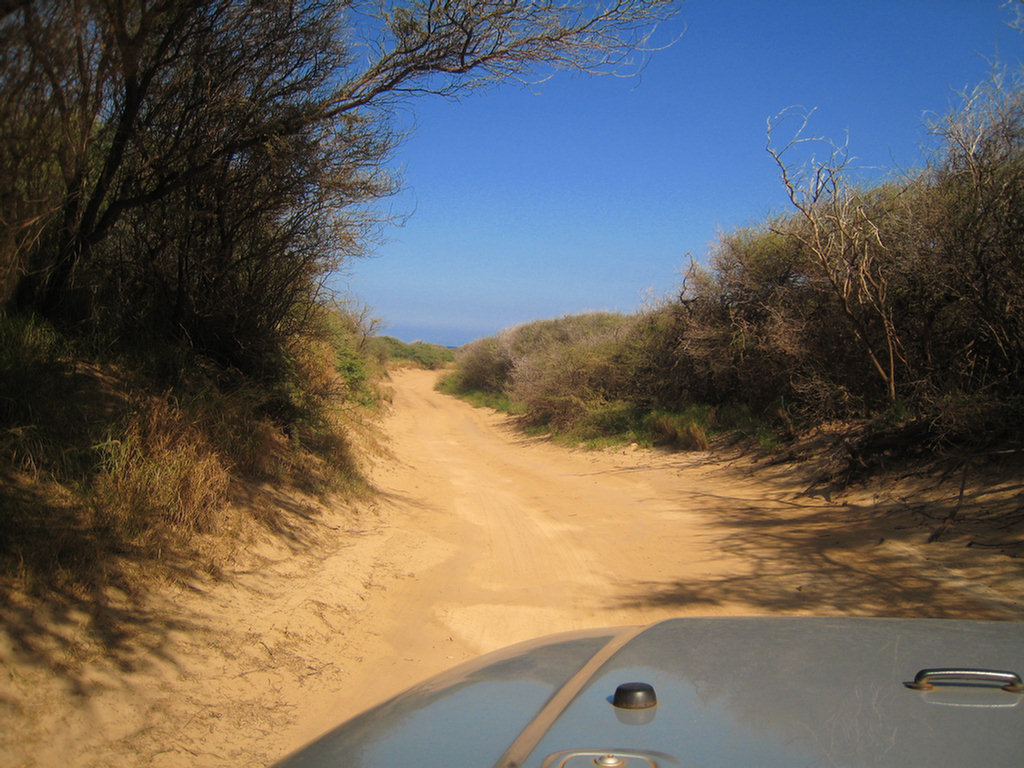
(420,353)
(107,455)
(180,181)
(895,309)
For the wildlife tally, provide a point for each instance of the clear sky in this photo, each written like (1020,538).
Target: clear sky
(590,193)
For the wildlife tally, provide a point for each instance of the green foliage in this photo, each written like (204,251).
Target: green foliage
(608,420)
(420,353)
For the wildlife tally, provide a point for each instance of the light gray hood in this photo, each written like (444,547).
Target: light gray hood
(751,692)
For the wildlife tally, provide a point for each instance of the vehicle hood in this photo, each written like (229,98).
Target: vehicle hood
(748,691)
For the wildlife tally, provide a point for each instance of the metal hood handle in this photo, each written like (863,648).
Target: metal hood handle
(926,679)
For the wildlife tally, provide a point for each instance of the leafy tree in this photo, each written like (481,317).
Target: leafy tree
(200,165)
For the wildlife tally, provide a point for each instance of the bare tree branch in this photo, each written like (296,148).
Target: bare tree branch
(842,237)
(447,47)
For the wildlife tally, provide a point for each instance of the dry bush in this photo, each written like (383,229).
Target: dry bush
(482,366)
(901,298)
(295,428)
(254,446)
(971,241)
(927,273)
(564,369)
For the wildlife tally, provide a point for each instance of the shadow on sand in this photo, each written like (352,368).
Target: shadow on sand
(97,600)
(867,554)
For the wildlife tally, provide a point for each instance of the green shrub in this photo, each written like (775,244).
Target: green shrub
(429,356)
(482,366)
(608,420)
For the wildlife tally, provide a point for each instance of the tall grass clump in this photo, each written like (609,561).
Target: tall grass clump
(688,430)
(160,472)
(296,425)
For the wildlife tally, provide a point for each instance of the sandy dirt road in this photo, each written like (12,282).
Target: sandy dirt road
(479,538)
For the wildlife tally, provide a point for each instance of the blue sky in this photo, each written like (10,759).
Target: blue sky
(590,193)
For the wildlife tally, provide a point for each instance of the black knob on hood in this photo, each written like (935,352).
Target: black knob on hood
(635,696)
